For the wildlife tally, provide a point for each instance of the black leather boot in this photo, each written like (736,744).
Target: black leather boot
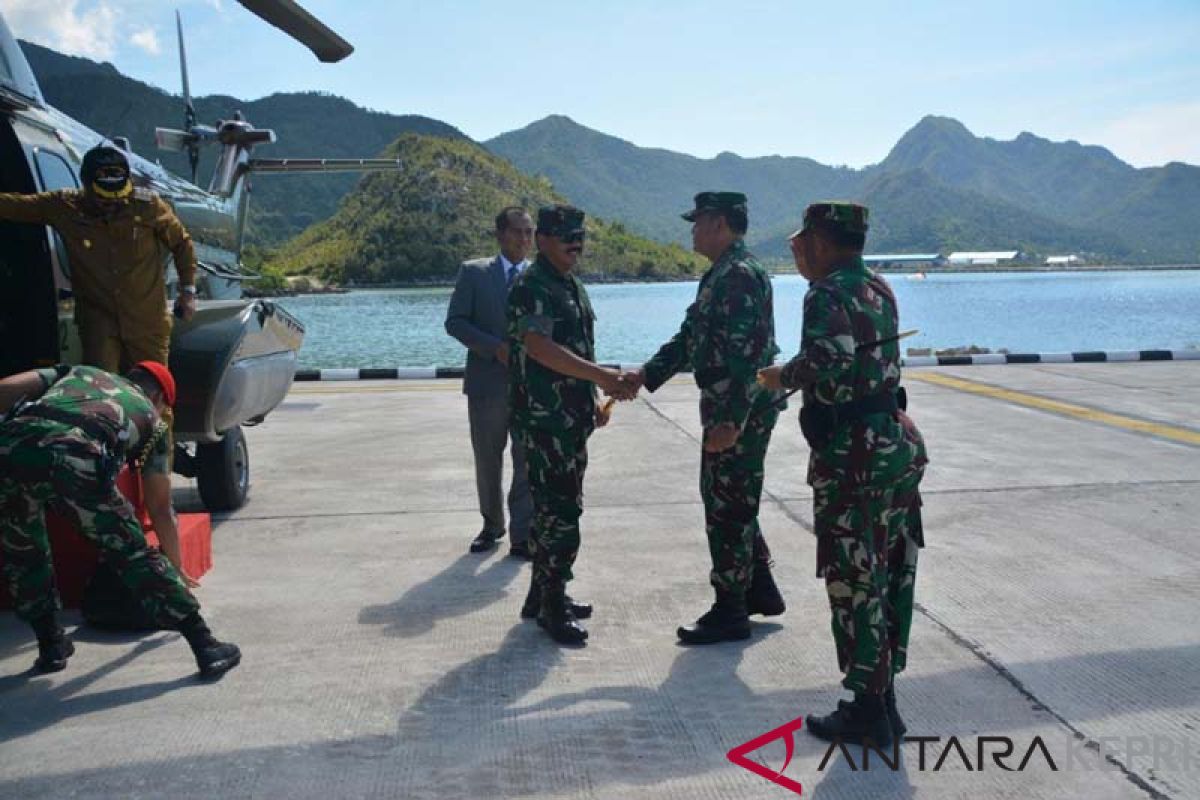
(533,604)
(726,621)
(763,596)
(556,619)
(212,657)
(889,700)
(865,719)
(54,648)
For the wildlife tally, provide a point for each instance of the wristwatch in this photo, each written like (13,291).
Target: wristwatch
(187,290)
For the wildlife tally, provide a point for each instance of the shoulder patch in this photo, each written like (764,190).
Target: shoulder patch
(145,195)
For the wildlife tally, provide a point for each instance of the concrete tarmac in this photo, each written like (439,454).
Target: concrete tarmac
(1059,595)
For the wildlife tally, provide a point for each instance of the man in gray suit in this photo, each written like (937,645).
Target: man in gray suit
(476,317)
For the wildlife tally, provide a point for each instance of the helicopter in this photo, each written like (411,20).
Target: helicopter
(235,359)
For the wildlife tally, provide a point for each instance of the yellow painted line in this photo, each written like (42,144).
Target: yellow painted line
(1160,429)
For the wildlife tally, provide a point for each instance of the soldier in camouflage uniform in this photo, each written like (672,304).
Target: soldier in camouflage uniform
(552,395)
(866,462)
(726,337)
(66,433)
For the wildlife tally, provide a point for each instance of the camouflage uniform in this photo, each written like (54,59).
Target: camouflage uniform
(726,337)
(552,414)
(866,503)
(64,450)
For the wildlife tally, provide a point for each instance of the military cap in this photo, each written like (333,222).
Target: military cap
(559,220)
(834,216)
(716,201)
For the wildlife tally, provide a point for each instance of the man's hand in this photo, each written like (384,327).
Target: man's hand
(720,438)
(614,386)
(185,305)
(635,379)
(502,353)
(771,378)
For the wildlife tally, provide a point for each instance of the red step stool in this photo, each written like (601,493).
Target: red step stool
(75,558)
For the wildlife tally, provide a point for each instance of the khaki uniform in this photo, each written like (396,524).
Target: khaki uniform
(118,272)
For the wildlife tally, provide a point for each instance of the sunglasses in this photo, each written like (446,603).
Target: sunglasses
(573,238)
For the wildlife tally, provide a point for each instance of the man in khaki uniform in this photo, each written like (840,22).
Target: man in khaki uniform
(117,239)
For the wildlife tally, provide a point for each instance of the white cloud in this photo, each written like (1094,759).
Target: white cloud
(147,40)
(1153,135)
(89,31)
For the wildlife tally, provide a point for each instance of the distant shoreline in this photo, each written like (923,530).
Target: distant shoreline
(448,283)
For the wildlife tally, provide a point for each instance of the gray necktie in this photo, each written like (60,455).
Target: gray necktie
(512,276)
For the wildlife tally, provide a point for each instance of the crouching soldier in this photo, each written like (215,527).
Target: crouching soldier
(66,433)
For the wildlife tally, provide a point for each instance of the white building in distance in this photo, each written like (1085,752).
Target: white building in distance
(983,258)
(1063,261)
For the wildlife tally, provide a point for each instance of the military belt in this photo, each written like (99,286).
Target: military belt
(710,375)
(820,421)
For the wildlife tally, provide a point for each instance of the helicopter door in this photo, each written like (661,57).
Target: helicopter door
(28,330)
(55,173)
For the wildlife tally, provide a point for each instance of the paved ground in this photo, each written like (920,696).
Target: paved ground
(1059,596)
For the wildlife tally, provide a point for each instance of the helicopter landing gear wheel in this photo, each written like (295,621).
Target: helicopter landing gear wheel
(223,472)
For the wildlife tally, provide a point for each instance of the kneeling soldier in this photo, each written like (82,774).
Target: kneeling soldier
(66,433)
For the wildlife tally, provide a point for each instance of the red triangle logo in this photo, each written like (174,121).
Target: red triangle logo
(785,732)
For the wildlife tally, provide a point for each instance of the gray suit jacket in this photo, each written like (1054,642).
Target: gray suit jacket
(477,317)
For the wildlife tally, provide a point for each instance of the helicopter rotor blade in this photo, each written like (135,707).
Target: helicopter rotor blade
(189,110)
(302,26)
(324,165)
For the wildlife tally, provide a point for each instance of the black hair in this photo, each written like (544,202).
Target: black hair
(505,213)
(146,381)
(737,219)
(848,240)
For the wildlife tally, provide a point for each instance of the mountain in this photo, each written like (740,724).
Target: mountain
(419,223)
(649,188)
(307,124)
(941,188)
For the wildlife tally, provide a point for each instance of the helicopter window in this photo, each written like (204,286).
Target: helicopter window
(55,173)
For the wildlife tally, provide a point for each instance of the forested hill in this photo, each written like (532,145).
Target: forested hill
(420,223)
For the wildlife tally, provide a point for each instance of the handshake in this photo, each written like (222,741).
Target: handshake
(622,385)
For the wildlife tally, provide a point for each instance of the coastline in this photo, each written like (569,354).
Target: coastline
(448,283)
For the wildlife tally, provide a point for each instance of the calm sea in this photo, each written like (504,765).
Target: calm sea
(1023,312)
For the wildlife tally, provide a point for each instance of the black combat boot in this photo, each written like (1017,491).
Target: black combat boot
(54,648)
(212,657)
(889,700)
(763,596)
(556,619)
(726,621)
(533,604)
(863,720)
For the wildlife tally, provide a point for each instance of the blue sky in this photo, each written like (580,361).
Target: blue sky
(837,82)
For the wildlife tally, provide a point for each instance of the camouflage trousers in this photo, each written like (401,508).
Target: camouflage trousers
(48,465)
(556,464)
(731,485)
(867,545)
